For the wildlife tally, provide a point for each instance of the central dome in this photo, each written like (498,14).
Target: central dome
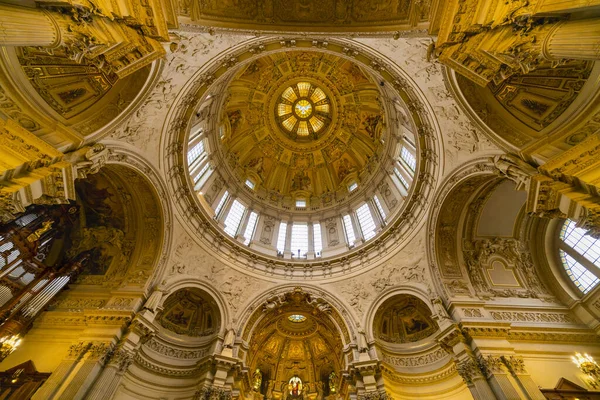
(293,157)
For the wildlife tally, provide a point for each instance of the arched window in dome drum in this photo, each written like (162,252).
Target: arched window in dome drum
(409,158)
(365,220)
(249,233)
(234,218)
(317,239)
(349,230)
(580,255)
(299,245)
(281,237)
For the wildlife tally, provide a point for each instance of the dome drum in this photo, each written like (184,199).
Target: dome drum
(305,156)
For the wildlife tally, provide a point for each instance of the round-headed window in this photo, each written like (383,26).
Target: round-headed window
(580,255)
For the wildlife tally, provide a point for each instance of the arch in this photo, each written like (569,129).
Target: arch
(517,121)
(387,294)
(252,312)
(475,174)
(394,236)
(88,100)
(126,158)
(179,284)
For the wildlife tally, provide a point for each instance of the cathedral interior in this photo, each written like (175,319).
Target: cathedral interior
(300,199)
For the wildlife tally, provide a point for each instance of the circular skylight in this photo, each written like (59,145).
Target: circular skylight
(297,318)
(303,110)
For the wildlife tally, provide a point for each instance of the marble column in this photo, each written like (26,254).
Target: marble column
(49,390)
(468,369)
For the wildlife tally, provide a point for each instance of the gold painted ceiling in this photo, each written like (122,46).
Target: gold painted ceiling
(302,124)
(298,339)
(308,15)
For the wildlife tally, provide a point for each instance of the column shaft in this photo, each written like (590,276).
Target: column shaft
(579,40)
(24,26)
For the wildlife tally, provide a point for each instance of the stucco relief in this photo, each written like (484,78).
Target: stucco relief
(189,259)
(461,137)
(188,54)
(407,267)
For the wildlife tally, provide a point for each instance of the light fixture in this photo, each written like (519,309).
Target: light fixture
(588,366)
(8,344)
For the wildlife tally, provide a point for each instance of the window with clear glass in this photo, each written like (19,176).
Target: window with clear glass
(317,240)
(580,255)
(201,173)
(365,220)
(234,218)
(348,230)
(379,207)
(299,244)
(221,203)
(195,152)
(352,186)
(300,203)
(281,237)
(401,178)
(408,158)
(252,220)
(250,184)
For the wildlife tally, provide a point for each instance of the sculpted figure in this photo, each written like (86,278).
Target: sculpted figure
(256,380)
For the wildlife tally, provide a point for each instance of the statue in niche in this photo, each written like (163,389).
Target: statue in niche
(319,388)
(229,338)
(257,380)
(295,387)
(332,380)
(256,164)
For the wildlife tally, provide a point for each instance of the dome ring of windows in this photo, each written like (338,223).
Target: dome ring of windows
(258,220)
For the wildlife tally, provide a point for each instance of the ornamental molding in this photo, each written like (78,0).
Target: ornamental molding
(537,317)
(204,228)
(415,361)
(448,372)
(174,352)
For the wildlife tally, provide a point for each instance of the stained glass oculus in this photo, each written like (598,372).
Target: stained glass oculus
(297,318)
(303,110)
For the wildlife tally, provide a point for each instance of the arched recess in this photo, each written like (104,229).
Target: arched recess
(187,332)
(479,249)
(124,222)
(405,325)
(67,103)
(295,332)
(540,113)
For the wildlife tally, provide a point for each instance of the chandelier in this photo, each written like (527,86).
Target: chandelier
(8,344)
(588,366)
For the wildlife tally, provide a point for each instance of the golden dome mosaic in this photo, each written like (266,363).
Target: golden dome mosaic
(303,110)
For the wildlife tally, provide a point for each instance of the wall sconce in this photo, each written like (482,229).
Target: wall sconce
(8,344)
(588,366)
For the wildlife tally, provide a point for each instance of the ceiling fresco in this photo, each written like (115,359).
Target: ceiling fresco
(289,148)
(329,15)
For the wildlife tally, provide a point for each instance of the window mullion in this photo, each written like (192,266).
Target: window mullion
(580,259)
